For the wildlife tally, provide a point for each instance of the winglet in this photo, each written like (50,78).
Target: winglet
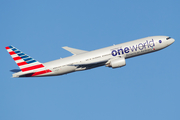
(74,51)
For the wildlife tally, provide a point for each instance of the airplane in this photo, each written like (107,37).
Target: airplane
(113,56)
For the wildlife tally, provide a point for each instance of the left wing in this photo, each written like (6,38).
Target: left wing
(74,51)
(89,65)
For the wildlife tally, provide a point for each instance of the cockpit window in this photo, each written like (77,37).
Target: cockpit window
(168,38)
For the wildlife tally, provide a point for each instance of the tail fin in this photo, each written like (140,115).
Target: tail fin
(25,62)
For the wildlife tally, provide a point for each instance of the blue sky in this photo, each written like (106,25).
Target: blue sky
(146,88)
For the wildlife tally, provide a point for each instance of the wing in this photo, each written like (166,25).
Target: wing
(74,51)
(91,63)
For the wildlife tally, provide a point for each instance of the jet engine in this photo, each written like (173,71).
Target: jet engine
(115,63)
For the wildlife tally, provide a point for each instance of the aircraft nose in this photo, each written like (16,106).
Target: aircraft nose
(171,41)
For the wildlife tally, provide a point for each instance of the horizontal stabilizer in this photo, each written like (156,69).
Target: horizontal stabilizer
(74,51)
(15,70)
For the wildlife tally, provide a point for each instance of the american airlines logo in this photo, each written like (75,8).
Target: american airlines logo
(141,46)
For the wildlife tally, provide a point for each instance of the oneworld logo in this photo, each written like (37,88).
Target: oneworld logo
(134,48)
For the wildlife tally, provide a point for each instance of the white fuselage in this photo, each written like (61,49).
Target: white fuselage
(112,56)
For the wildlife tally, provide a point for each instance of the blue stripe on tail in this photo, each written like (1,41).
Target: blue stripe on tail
(25,57)
(31,61)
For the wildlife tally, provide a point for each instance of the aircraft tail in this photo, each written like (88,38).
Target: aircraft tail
(25,62)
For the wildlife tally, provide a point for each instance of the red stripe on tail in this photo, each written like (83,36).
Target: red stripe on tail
(12,53)
(7,48)
(17,58)
(32,67)
(21,63)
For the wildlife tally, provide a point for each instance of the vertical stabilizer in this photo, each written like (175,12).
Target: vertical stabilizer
(25,62)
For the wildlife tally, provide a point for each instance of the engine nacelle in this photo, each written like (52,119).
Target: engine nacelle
(115,63)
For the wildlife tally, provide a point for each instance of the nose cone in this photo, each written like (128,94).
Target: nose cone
(171,41)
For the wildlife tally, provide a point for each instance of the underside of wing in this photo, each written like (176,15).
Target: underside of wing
(74,51)
(90,65)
